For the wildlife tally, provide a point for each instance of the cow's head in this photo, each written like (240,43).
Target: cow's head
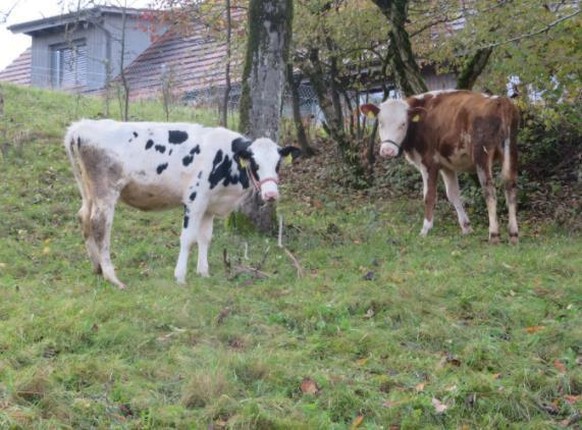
(262,159)
(394,118)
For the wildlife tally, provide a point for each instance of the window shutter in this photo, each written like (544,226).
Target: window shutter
(69,65)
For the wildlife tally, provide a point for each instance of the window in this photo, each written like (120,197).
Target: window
(69,65)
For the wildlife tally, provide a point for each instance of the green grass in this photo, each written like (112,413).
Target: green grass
(388,325)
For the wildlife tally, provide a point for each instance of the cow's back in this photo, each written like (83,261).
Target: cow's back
(150,165)
(456,125)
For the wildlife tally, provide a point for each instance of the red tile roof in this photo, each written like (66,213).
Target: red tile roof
(18,72)
(191,63)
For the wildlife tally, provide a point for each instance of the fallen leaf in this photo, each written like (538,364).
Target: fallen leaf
(369,276)
(551,408)
(571,399)
(439,406)
(357,422)
(362,361)
(420,387)
(534,329)
(450,359)
(391,404)
(561,367)
(222,315)
(309,386)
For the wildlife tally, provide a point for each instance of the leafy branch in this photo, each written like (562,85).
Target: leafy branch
(532,33)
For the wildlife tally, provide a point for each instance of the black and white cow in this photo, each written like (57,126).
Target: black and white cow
(153,166)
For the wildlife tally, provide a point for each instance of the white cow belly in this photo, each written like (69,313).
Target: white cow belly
(223,203)
(152,196)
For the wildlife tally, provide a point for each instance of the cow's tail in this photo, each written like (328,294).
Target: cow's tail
(72,143)
(510,115)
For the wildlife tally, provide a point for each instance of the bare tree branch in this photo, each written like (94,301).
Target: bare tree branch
(5,14)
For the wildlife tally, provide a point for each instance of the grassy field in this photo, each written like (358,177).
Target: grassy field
(357,323)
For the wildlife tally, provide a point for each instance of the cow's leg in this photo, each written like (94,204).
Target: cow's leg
(429,181)
(191,227)
(451,181)
(102,211)
(509,175)
(486,180)
(204,237)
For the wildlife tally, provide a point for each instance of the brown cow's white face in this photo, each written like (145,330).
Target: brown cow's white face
(392,126)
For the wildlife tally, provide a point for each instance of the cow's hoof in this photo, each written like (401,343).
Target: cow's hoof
(494,238)
(467,229)
(514,239)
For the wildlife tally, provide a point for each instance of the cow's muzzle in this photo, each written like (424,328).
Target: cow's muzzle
(271,193)
(390,149)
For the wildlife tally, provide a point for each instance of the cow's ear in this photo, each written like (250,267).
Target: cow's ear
(289,153)
(416,114)
(370,110)
(240,144)
(241,153)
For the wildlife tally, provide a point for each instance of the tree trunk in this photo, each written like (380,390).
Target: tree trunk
(406,70)
(124,97)
(328,97)
(227,86)
(306,149)
(263,83)
(473,67)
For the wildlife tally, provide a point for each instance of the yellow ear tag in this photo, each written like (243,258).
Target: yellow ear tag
(370,115)
(288,159)
(415,118)
(243,163)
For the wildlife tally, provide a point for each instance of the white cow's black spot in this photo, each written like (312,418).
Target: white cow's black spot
(186,216)
(160,148)
(189,158)
(192,196)
(149,144)
(161,168)
(221,172)
(177,136)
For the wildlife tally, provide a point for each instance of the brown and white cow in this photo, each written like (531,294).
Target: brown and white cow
(154,166)
(450,132)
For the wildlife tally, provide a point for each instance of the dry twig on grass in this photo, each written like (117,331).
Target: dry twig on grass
(233,271)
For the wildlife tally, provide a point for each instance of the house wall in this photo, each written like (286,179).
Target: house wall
(41,53)
(440,82)
(136,41)
(103,41)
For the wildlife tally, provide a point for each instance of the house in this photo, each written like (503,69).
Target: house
(80,51)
